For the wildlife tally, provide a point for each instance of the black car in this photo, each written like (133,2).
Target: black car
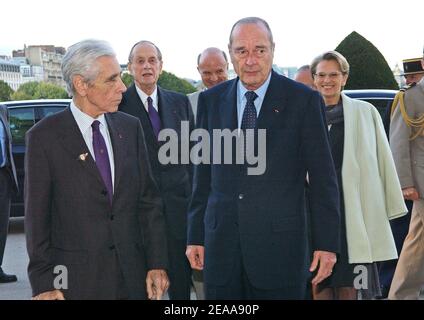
(22,116)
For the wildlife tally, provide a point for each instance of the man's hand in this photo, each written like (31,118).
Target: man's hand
(410,193)
(196,255)
(50,295)
(157,283)
(326,261)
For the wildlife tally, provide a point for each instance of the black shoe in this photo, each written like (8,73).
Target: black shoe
(5,278)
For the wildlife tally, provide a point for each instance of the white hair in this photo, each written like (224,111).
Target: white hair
(80,60)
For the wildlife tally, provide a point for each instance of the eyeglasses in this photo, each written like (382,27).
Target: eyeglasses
(258,52)
(331,75)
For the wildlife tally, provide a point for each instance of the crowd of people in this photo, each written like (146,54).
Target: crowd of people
(317,223)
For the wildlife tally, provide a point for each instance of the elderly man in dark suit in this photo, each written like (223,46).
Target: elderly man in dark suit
(248,232)
(159,109)
(93,213)
(8,185)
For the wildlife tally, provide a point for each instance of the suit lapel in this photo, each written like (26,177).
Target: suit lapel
(75,145)
(118,147)
(167,111)
(274,103)
(228,107)
(137,109)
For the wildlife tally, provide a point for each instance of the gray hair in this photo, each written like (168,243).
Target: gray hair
(331,55)
(80,59)
(252,20)
(305,67)
(131,55)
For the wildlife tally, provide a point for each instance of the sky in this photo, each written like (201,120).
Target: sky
(302,29)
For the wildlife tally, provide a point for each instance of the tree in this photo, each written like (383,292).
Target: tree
(166,80)
(169,81)
(127,79)
(5,91)
(47,90)
(39,90)
(368,68)
(25,91)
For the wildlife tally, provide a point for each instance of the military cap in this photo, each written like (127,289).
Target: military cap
(412,66)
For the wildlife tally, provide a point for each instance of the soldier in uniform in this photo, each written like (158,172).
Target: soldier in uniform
(407,144)
(412,70)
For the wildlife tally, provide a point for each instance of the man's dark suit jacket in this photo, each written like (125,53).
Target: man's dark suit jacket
(70,221)
(174,181)
(4,117)
(263,217)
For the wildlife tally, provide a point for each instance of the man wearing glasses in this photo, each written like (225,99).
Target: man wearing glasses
(248,232)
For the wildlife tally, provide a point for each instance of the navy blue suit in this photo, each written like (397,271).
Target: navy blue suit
(258,222)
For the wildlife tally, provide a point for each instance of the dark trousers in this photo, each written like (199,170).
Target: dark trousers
(5,196)
(179,271)
(240,288)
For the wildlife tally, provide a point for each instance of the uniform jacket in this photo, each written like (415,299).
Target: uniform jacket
(409,155)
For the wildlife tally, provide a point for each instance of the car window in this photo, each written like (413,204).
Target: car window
(21,120)
(48,111)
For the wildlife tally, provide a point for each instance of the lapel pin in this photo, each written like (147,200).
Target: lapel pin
(82,156)
(120,136)
(276,110)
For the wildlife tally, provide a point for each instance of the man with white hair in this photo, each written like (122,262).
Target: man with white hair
(94,222)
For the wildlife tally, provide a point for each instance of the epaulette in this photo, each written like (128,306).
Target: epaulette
(407,87)
(417,123)
(399,96)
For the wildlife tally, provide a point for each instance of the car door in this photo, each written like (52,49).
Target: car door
(21,119)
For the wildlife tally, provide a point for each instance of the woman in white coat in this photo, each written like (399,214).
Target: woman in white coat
(370,192)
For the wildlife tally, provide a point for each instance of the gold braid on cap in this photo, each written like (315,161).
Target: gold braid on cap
(410,122)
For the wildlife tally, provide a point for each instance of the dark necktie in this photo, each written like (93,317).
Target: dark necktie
(154,117)
(102,158)
(249,115)
(249,120)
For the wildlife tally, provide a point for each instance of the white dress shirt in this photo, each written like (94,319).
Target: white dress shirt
(144,97)
(84,122)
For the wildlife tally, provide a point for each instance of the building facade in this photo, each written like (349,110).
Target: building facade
(10,73)
(49,58)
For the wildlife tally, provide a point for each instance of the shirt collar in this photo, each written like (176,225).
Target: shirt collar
(144,96)
(261,91)
(83,120)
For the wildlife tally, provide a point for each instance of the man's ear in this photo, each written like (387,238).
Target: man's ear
(161,65)
(80,85)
